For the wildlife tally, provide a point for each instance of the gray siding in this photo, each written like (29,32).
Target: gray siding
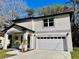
(60,23)
(26,24)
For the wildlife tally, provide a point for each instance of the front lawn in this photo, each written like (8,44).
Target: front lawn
(4,55)
(75,53)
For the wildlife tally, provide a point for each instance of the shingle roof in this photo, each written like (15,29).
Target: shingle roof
(29,18)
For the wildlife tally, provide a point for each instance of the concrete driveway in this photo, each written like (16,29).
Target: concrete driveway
(43,54)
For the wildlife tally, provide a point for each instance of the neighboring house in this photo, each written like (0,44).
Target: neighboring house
(44,32)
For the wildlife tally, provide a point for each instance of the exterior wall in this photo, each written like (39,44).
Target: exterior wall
(61,28)
(61,22)
(12,30)
(27,24)
(69,42)
(61,25)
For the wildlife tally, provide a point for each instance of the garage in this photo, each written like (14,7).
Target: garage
(53,43)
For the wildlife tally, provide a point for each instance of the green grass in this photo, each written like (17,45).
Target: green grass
(75,53)
(3,51)
(4,55)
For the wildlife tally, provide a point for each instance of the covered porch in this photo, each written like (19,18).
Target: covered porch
(16,35)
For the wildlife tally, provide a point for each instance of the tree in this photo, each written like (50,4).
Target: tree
(58,8)
(10,10)
(43,11)
(75,22)
(3,21)
(66,8)
(14,15)
(30,12)
(75,8)
(54,9)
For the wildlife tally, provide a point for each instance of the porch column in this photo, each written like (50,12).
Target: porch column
(6,41)
(32,42)
(25,37)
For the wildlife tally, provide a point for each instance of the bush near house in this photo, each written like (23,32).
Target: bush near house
(75,53)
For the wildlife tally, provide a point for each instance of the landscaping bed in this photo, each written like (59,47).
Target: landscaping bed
(75,53)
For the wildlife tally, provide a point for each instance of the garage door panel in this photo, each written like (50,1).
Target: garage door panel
(45,44)
(59,45)
(54,44)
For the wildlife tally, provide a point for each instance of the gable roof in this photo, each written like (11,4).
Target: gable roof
(30,18)
(17,26)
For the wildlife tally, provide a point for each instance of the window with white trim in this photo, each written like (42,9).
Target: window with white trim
(48,22)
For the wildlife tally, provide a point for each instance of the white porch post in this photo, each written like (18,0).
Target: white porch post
(32,42)
(6,41)
(25,38)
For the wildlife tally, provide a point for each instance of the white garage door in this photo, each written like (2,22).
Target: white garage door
(54,43)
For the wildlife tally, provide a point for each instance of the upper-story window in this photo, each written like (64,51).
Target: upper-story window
(48,22)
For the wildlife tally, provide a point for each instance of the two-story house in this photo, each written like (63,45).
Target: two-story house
(43,32)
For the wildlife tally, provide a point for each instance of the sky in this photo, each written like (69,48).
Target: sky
(36,4)
(6,6)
